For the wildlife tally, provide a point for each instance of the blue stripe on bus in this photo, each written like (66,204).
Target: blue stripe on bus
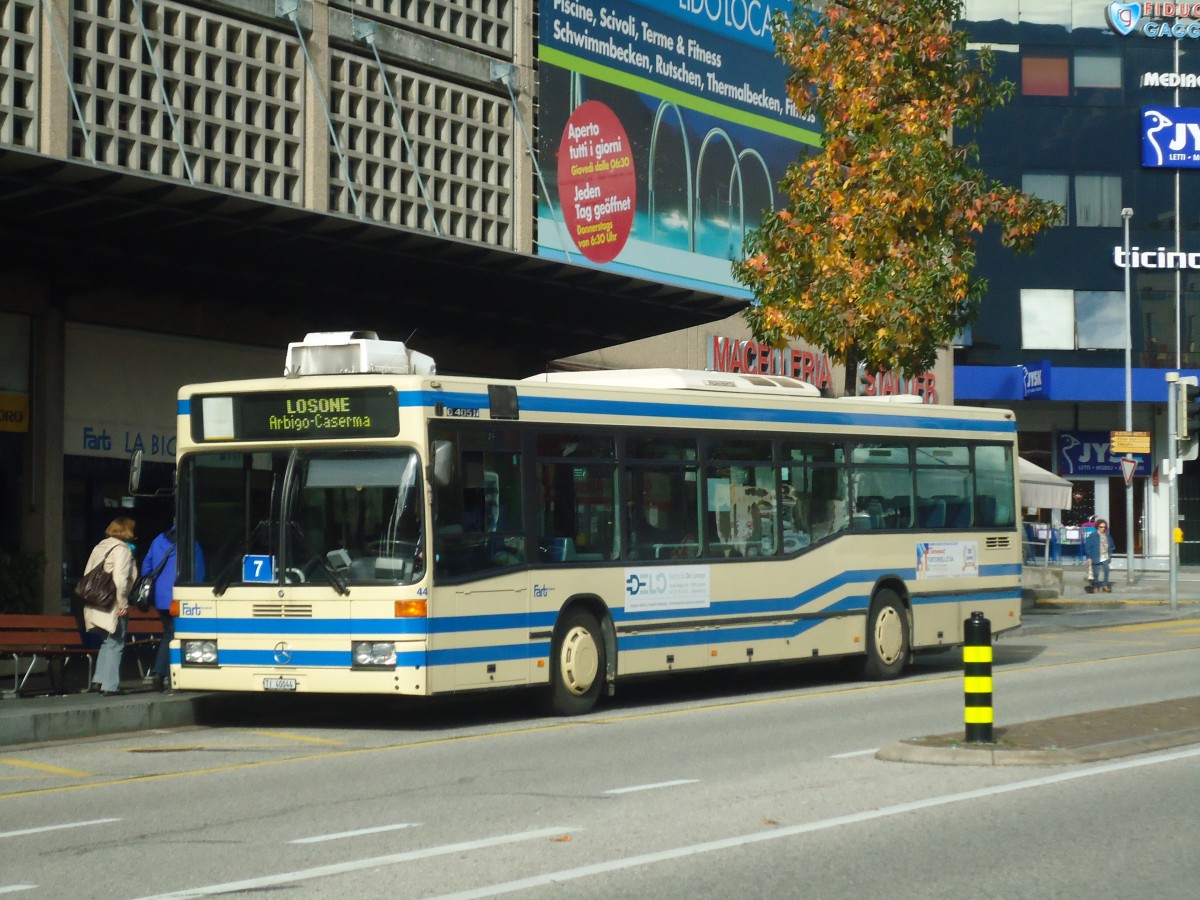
(856,603)
(324,659)
(796,601)
(663,641)
(546,619)
(667,410)
(416,627)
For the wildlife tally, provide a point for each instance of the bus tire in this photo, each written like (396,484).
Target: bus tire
(577,664)
(887,637)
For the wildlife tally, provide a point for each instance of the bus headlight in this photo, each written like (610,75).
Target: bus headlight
(374,654)
(198,653)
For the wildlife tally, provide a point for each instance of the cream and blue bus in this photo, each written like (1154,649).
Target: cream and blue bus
(368,526)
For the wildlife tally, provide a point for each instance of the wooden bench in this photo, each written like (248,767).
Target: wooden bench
(143,631)
(49,637)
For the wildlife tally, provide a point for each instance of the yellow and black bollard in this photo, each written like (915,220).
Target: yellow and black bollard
(977,679)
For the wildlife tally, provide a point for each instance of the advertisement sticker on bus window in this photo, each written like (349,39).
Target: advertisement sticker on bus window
(948,559)
(667,587)
(258,568)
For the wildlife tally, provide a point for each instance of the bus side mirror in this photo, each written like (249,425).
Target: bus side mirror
(442,469)
(135,471)
(135,479)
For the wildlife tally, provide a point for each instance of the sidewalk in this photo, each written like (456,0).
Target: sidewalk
(1089,737)
(1072,739)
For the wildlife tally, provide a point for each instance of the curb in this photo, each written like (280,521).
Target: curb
(73,721)
(963,754)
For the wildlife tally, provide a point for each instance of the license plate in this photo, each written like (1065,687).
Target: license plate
(279,684)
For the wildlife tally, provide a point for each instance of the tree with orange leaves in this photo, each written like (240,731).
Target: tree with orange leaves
(871,261)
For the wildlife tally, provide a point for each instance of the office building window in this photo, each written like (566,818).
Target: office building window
(989,10)
(1045,76)
(1053,186)
(1089,201)
(1098,200)
(1047,319)
(1095,69)
(1072,320)
(1091,72)
(1100,320)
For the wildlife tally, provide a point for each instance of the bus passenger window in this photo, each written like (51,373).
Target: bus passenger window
(480,523)
(577,516)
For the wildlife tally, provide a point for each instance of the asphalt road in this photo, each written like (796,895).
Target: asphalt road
(763,784)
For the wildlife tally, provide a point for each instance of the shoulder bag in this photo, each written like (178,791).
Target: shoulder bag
(143,589)
(97,588)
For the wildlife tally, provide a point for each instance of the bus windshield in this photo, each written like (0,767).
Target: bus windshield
(293,516)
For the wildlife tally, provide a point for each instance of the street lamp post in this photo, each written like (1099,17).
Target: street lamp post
(1126,215)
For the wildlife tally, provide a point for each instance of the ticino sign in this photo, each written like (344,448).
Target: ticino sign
(1144,19)
(1160,258)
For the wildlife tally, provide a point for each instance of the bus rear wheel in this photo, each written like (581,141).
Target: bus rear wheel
(887,637)
(577,664)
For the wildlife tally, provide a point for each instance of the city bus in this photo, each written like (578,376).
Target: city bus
(365,525)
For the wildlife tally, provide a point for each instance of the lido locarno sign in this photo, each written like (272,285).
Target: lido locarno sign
(1146,19)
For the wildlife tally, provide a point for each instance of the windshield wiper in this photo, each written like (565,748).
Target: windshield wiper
(331,573)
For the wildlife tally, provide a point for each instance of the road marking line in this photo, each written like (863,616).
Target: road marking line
(1010,669)
(13,888)
(616,865)
(854,753)
(1153,626)
(266,881)
(24,831)
(345,834)
(299,737)
(651,787)
(45,767)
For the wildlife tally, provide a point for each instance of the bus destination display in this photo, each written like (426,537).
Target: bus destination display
(296,415)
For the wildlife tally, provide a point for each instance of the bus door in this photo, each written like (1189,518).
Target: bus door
(481,565)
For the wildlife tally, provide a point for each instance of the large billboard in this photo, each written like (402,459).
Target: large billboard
(664,130)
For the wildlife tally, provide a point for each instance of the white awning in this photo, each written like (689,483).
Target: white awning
(1043,489)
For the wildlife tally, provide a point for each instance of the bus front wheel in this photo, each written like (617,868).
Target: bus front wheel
(887,636)
(577,664)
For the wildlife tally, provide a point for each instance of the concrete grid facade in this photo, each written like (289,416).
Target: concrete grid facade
(233,95)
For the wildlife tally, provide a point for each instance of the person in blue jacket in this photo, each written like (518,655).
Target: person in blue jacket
(1098,547)
(162,551)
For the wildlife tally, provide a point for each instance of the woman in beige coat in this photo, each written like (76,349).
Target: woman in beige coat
(115,553)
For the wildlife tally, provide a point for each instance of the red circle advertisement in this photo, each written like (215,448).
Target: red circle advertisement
(596,184)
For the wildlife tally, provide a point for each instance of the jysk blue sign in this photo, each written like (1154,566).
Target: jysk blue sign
(1090,453)
(1036,380)
(1171,137)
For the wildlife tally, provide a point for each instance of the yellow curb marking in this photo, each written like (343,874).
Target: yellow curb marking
(44,767)
(1185,626)
(299,737)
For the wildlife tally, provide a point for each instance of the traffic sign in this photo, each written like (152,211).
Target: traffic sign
(1128,467)
(1129,442)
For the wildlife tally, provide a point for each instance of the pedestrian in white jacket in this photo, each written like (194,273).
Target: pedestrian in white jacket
(115,553)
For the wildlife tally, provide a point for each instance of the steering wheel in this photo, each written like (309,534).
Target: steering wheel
(391,548)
